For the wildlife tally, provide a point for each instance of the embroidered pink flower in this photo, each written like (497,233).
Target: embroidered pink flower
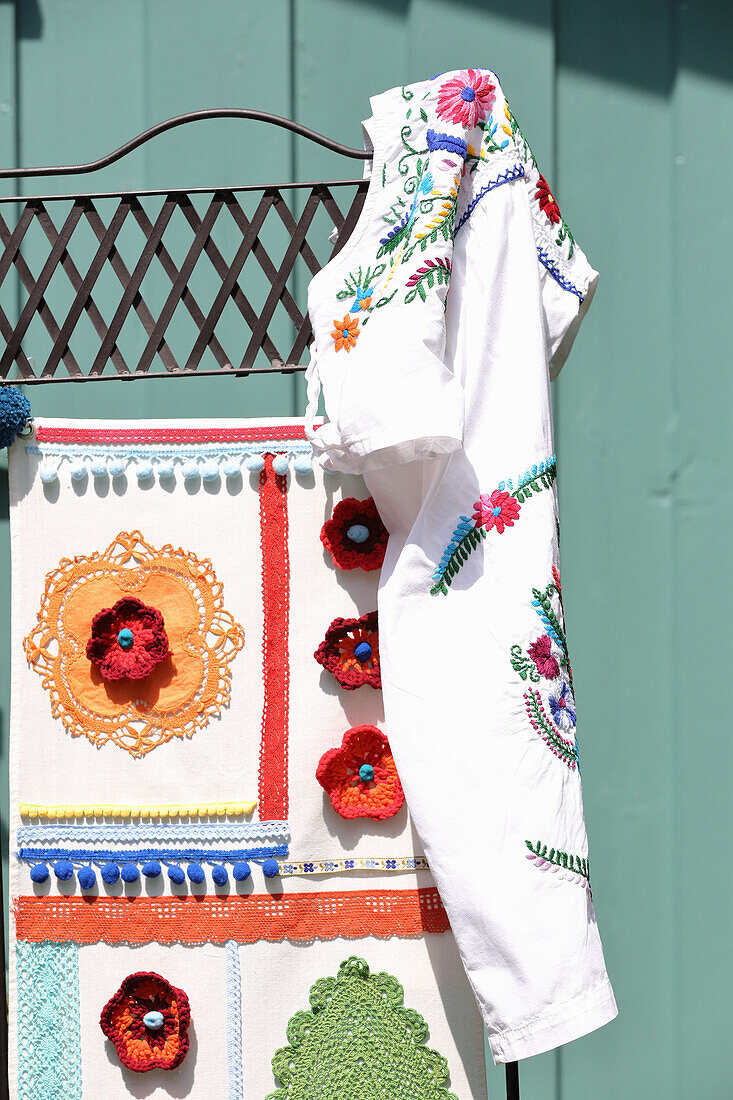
(467,98)
(498,509)
(541,653)
(128,640)
(546,200)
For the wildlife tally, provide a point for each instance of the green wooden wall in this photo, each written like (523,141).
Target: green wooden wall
(629,107)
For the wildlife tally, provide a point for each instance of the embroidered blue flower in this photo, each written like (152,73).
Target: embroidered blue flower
(363,299)
(308,868)
(426,183)
(349,864)
(448,142)
(562,706)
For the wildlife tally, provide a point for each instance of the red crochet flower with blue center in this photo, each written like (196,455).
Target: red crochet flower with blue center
(147,1020)
(350,651)
(128,640)
(360,777)
(355,536)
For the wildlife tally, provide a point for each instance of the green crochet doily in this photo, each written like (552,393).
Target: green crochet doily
(359,1042)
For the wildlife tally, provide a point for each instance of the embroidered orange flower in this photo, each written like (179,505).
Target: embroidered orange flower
(345,333)
(182,692)
(350,651)
(360,777)
(147,1020)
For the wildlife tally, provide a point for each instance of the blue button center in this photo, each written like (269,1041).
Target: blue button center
(468,94)
(366,773)
(496,511)
(358,532)
(153,1020)
(363,652)
(125,638)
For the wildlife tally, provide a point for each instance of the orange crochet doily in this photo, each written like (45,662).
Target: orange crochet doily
(181,694)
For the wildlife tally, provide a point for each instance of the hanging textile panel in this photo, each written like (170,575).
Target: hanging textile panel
(214,877)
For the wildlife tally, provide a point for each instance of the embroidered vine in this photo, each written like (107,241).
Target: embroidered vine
(497,510)
(577,868)
(432,273)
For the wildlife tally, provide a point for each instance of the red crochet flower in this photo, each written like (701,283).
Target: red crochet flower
(467,98)
(547,200)
(147,1020)
(360,777)
(355,536)
(498,509)
(128,640)
(350,651)
(541,653)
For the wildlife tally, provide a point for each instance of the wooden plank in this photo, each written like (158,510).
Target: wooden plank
(616,463)
(701,506)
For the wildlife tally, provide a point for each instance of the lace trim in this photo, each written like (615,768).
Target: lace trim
(167,435)
(61,811)
(277,832)
(82,856)
(234,1021)
(273,774)
(338,866)
(49,1034)
(352,1014)
(242,918)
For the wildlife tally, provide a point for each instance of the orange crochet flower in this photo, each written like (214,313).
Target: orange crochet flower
(147,1020)
(360,777)
(345,333)
(181,693)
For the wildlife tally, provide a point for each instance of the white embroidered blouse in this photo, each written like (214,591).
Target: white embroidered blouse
(438,327)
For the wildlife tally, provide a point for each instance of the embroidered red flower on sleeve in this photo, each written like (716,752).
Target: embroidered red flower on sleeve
(360,777)
(147,1020)
(128,640)
(345,333)
(545,662)
(467,98)
(350,651)
(498,509)
(547,200)
(355,536)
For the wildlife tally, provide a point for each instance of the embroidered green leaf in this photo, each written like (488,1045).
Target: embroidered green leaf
(523,664)
(578,865)
(423,114)
(432,273)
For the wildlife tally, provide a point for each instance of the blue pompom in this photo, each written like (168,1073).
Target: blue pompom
(110,873)
(39,872)
(302,464)
(231,468)
(363,652)
(87,878)
(241,872)
(151,869)
(79,471)
(255,463)
(63,869)
(48,472)
(15,412)
(281,464)
(98,466)
(166,470)
(196,873)
(129,872)
(270,868)
(144,471)
(220,876)
(176,875)
(116,467)
(190,471)
(210,472)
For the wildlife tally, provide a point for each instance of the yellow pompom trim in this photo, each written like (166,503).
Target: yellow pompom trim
(106,809)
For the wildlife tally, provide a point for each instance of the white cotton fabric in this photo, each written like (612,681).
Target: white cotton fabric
(436,406)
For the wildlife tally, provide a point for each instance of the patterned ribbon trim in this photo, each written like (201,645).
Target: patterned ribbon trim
(244,918)
(336,866)
(168,435)
(61,811)
(234,1021)
(141,855)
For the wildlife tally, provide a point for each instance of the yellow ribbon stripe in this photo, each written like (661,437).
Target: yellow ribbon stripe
(106,809)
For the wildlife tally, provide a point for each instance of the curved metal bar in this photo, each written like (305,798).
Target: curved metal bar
(180,120)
